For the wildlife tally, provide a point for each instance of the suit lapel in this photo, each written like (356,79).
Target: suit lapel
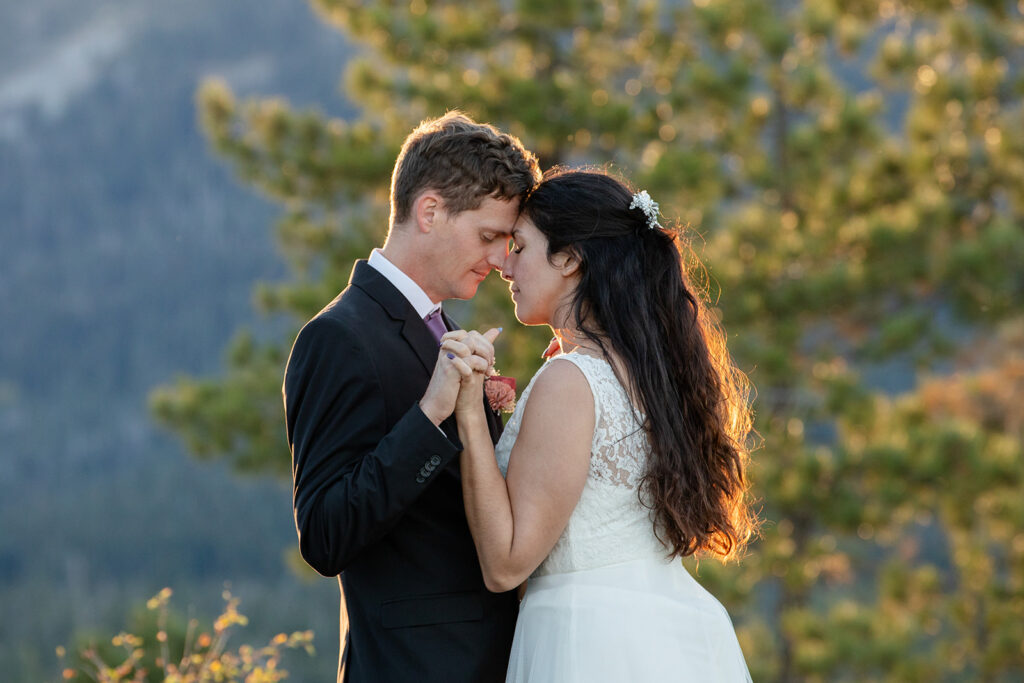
(414,331)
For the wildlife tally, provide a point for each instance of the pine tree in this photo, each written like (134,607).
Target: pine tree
(853,177)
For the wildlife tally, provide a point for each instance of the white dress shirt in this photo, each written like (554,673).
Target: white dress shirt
(413,293)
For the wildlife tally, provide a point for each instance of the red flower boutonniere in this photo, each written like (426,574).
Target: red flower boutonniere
(501,393)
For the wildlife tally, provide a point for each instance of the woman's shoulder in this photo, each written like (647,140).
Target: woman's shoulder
(562,374)
(587,363)
(606,378)
(597,369)
(560,400)
(561,382)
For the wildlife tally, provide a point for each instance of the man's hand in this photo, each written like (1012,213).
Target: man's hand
(472,390)
(462,355)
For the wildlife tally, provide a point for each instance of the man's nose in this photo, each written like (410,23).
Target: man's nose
(496,257)
(506,267)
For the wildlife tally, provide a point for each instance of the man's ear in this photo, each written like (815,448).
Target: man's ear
(426,210)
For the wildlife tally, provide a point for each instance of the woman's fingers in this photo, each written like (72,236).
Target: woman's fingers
(463,359)
(465,370)
(481,345)
(457,335)
(477,363)
(470,345)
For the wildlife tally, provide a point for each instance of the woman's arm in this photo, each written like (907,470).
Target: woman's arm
(515,521)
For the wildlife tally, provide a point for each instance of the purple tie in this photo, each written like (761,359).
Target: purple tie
(436,324)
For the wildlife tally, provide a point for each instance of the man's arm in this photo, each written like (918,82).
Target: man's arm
(352,479)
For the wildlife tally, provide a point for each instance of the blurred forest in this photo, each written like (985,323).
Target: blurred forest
(127,255)
(853,177)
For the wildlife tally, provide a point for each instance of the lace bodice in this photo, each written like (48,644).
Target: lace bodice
(609,525)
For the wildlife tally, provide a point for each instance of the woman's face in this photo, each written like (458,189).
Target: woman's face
(541,288)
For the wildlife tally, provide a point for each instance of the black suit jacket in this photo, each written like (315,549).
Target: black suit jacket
(378,498)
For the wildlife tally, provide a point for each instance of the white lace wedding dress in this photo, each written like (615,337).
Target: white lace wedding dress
(605,605)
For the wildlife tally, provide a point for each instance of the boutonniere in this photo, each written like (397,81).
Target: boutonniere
(501,393)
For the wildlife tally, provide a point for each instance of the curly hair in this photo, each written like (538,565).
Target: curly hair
(464,161)
(636,297)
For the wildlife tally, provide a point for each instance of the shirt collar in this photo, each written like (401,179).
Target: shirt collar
(413,293)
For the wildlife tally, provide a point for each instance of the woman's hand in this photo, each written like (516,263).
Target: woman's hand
(456,363)
(477,351)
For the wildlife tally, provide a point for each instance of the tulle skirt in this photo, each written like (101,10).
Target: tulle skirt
(645,620)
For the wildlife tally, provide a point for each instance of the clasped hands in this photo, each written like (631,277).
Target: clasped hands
(465,359)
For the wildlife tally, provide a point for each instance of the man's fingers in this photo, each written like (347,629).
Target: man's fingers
(477,363)
(457,335)
(458,348)
(480,345)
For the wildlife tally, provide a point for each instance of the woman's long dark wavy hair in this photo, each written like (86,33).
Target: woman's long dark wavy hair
(636,297)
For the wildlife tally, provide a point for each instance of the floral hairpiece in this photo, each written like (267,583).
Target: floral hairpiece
(643,201)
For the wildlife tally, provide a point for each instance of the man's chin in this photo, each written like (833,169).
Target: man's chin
(468,292)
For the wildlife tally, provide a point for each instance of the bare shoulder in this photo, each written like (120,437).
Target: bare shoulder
(562,378)
(562,396)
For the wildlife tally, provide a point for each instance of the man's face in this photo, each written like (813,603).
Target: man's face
(469,246)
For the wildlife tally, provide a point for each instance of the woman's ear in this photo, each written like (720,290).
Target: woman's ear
(567,263)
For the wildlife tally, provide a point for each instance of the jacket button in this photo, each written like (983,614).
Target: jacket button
(435,460)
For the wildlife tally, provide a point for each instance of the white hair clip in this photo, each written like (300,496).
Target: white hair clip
(643,201)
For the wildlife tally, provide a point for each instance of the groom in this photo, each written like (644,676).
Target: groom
(377,494)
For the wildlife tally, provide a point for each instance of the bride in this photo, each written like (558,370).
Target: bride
(625,452)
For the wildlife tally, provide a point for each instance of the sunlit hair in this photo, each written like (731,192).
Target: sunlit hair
(636,297)
(464,161)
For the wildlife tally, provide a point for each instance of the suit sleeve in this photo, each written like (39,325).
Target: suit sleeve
(352,479)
